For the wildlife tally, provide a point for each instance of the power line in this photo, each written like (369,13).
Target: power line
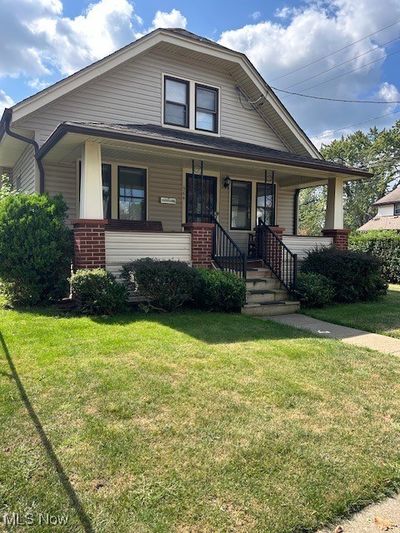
(336,51)
(350,71)
(343,63)
(343,100)
(358,123)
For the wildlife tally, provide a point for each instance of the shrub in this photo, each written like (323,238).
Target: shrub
(219,291)
(97,292)
(35,248)
(355,276)
(382,244)
(316,290)
(166,285)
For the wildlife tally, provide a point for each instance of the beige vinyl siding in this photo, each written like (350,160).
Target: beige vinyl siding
(285,209)
(132,93)
(301,245)
(24,171)
(61,179)
(122,247)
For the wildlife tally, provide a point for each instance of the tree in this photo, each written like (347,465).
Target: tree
(379,152)
(312,208)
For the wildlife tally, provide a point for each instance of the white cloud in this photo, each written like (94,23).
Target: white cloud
(315,31)
(5,101)
(255,15)
(173,19)
(389,92)
(38,84)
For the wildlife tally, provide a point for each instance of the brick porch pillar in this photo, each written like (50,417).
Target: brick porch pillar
(273,249)
(202,242)
(89,243)
(340,237)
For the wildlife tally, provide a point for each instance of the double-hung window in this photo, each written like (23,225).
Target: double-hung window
(176,102)
(397,208)
(132,193)
(241,205)
(206,108)
(265,203)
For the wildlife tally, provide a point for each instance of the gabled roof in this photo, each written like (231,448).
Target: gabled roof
(390,198)
(184,39)
(382,223)
(156,135)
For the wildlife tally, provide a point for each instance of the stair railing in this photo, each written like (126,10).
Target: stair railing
(226,253)
(276,255)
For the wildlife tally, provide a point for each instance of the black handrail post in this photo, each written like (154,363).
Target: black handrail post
(294,271)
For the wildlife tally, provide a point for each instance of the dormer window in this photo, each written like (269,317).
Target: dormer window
(176,105)
(206,108)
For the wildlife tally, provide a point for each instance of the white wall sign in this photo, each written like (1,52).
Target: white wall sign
(167,200)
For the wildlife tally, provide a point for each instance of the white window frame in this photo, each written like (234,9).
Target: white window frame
(192,104)
(396,209)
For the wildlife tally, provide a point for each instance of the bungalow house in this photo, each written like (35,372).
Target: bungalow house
(388,215)
(175,147)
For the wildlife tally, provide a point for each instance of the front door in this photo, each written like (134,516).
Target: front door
(201,198)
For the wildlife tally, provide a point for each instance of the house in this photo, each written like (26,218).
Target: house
(388,215)
(175,147)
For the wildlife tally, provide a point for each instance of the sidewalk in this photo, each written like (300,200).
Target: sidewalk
(357,337)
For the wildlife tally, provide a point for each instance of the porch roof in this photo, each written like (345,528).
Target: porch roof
(195,142)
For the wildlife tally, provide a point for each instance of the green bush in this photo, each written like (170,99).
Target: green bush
(35,248)
(355,276)
(166,285)
(97,292)
(219,291)
(316,290)
(382,244)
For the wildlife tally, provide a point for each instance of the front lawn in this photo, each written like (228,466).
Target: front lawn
(191,422)
(382,316)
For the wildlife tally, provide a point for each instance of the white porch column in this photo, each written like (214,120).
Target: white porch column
(91,202)
(334,205)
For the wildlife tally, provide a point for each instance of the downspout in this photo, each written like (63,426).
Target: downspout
(7,121)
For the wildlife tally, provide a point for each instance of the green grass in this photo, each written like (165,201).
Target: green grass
(191,422)
(381,316)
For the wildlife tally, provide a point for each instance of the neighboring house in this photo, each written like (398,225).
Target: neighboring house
(151,143)
(388,215)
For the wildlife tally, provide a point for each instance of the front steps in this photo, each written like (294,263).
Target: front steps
(265,294)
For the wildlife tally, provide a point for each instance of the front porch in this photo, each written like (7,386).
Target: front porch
(129,200)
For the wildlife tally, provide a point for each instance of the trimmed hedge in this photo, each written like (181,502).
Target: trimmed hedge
(35,248)
(219,291)
(97,292)
(316,290)
(166,285)
(384,245)
(355,276)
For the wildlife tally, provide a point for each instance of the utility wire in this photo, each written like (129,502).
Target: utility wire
(335,52)
(343,100)
(350,71)
(343,63)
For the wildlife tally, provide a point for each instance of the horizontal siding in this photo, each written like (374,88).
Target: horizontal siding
(133,93)
(24,171)
(301,245)
(122,247)
(285,210)
(61,179)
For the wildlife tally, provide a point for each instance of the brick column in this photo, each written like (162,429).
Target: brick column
(340,237)
(89,243)
(273,248)
(202,242)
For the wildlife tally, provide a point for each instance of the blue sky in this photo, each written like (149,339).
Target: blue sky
(44,40)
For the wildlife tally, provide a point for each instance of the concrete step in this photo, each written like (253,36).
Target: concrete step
(271,308)
(266,284)
(271,295)
(253,273)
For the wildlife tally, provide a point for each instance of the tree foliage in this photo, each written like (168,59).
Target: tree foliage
(312,208)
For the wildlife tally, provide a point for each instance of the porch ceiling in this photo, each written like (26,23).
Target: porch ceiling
(68,148)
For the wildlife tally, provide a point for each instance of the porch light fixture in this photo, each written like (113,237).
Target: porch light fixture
(227,182)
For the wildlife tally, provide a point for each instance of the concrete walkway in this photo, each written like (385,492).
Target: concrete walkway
(357,337)
(384,516)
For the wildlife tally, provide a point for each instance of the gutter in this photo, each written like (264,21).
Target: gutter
(64,128)
(5,128)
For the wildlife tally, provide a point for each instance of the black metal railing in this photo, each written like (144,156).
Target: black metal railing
(226,253)
(276,255)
